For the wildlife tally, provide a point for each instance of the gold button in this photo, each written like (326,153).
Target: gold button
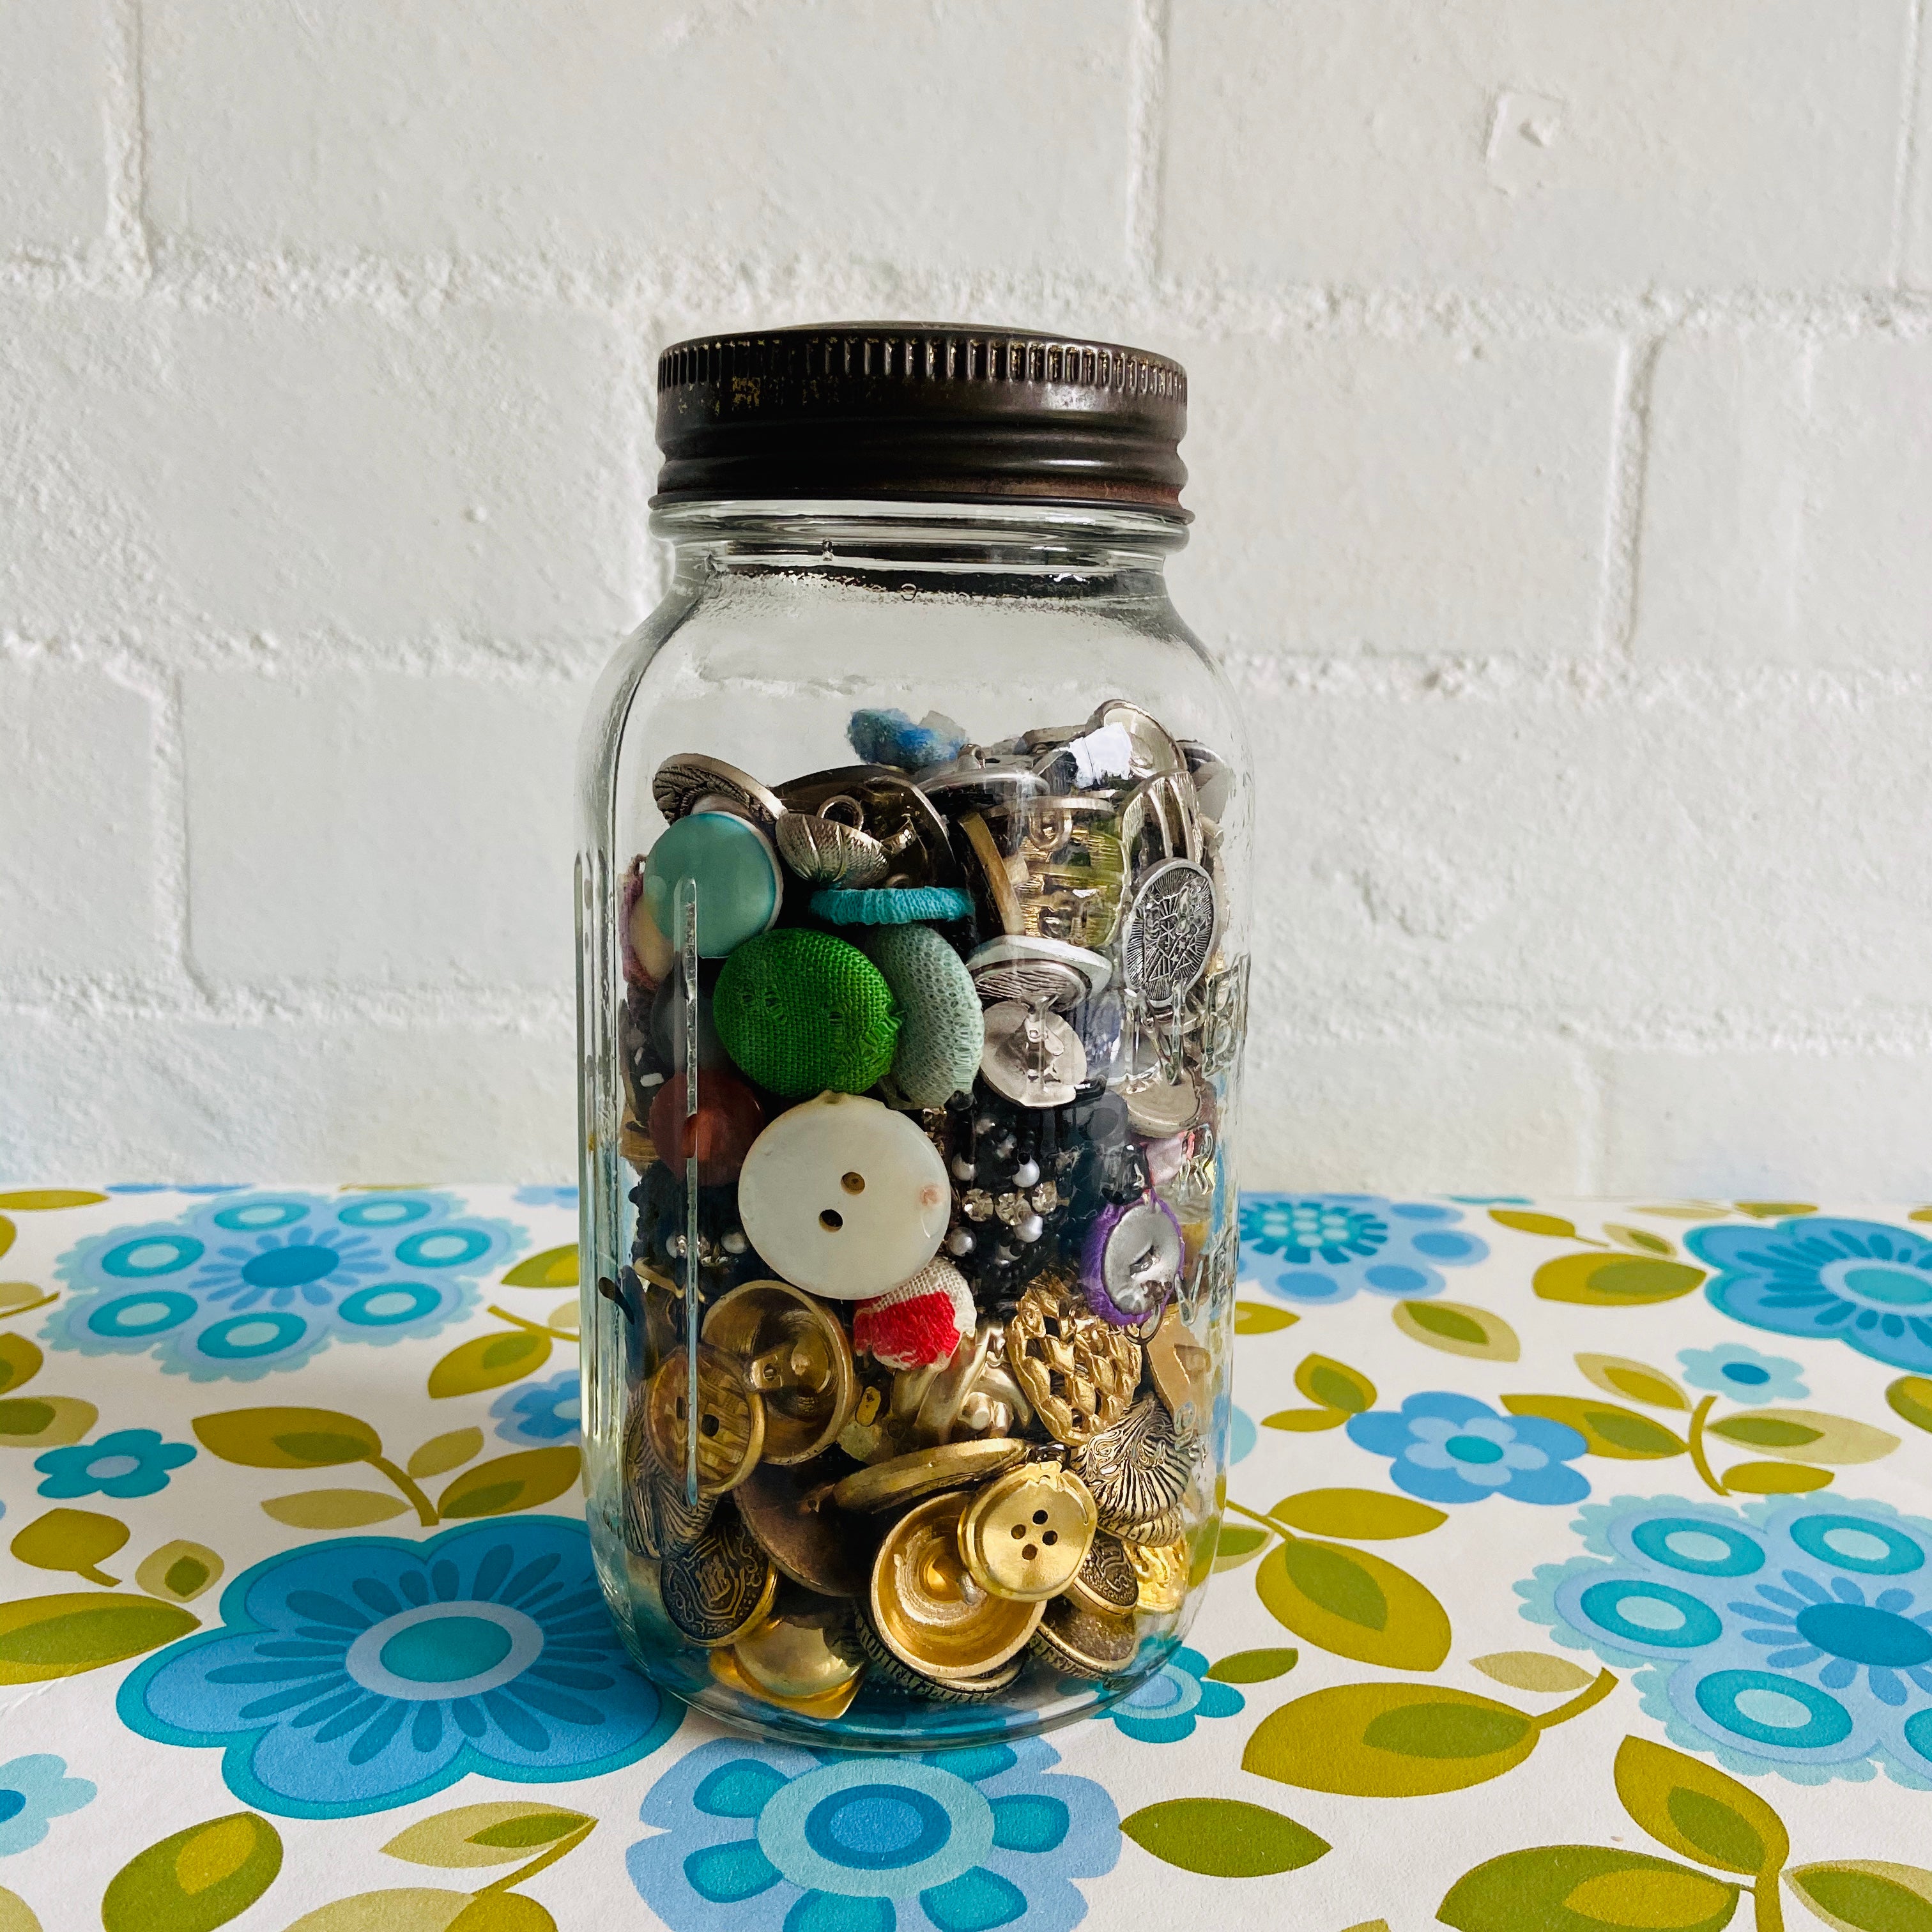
(1027,1533)
(928,1608)
(1138,1472)
(1079,1372)
(828,1705)
(1105,1583)
(948,1465)
(795,1659)
(718,1587)
(1084,1643)
(1162,1570)
(793,1351)
(731,1420)
(791,1514)
(656,1515)
(1182,1371)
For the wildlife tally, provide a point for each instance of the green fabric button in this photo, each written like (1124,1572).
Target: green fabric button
(803,1011)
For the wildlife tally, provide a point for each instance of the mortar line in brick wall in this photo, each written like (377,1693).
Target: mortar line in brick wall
(126,134)
(633,293)
(1630,463)
(1905,183)
(1585,684)
(1147,143)
(1582,1030)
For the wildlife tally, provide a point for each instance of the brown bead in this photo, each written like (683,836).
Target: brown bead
(719,1134)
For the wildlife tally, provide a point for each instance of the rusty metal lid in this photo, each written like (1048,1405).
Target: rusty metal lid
(932,412)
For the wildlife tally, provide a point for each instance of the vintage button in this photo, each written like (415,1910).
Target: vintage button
(1031,1057)
(1159,1109)
(990,873)
(1161,819)
(1075,870)
(946,1466)
(1169,931)
(919,1323)
(730,1420)
(1079,1372)
(1046,972)
(803,1011)
(735,870)
(645,947)
(1151,748)
(808,1538)
(1213,777)
(883,1665)
(1026,1534)
(1105,1582)
(681,781)
(887,804)
(973,1394)
(979,780)
(941,1033)
(844,1197)
(891,905)
(717,1588)
(792,1350)
(824,851)
(826,1707)
(931,1611)
(656,1517)
(1162,1570)
(1130,1261)
(796,1661)
(719,1134)
(1182,1372)
(1083,1642)
(1137,1472)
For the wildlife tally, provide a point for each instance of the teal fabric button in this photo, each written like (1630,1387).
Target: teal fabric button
(891,905)
(735,869)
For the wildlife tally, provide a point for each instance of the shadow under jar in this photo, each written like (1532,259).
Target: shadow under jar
(912,911)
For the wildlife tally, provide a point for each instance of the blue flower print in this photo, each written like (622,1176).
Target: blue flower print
(129,1463)
(34,1791)
(1453,1449)
(248,1282)
(546,1197)
(1743,1375)
(1794,1637)
(1162,1709)
(355,1675)
(540,1413)
(1816,1275)
(748,1838)
(1322,1247)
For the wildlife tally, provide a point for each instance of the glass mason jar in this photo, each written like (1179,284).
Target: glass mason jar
(912,914)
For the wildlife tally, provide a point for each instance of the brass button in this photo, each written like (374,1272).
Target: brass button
(656,1516)
(1079,1372)
(1138,1472)
(811,1541)
(1084,1643)
(794,1660)
(793,1351)
(1182,1372)
(1027,1533)
(1162,1569)
(731,1420)
(884,1665)
(1105,1582)
(827,1705)
(680,781)
(947,1465)
(928,1608)
(718,1587)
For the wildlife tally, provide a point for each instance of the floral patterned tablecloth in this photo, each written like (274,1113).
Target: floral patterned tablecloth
(1576,1573)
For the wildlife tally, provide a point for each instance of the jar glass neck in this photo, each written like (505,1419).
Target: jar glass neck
(795,536)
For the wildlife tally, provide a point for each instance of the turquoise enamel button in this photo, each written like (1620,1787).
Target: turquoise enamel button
(735,872)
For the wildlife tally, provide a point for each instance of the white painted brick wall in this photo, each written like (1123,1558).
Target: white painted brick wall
(1562,435)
